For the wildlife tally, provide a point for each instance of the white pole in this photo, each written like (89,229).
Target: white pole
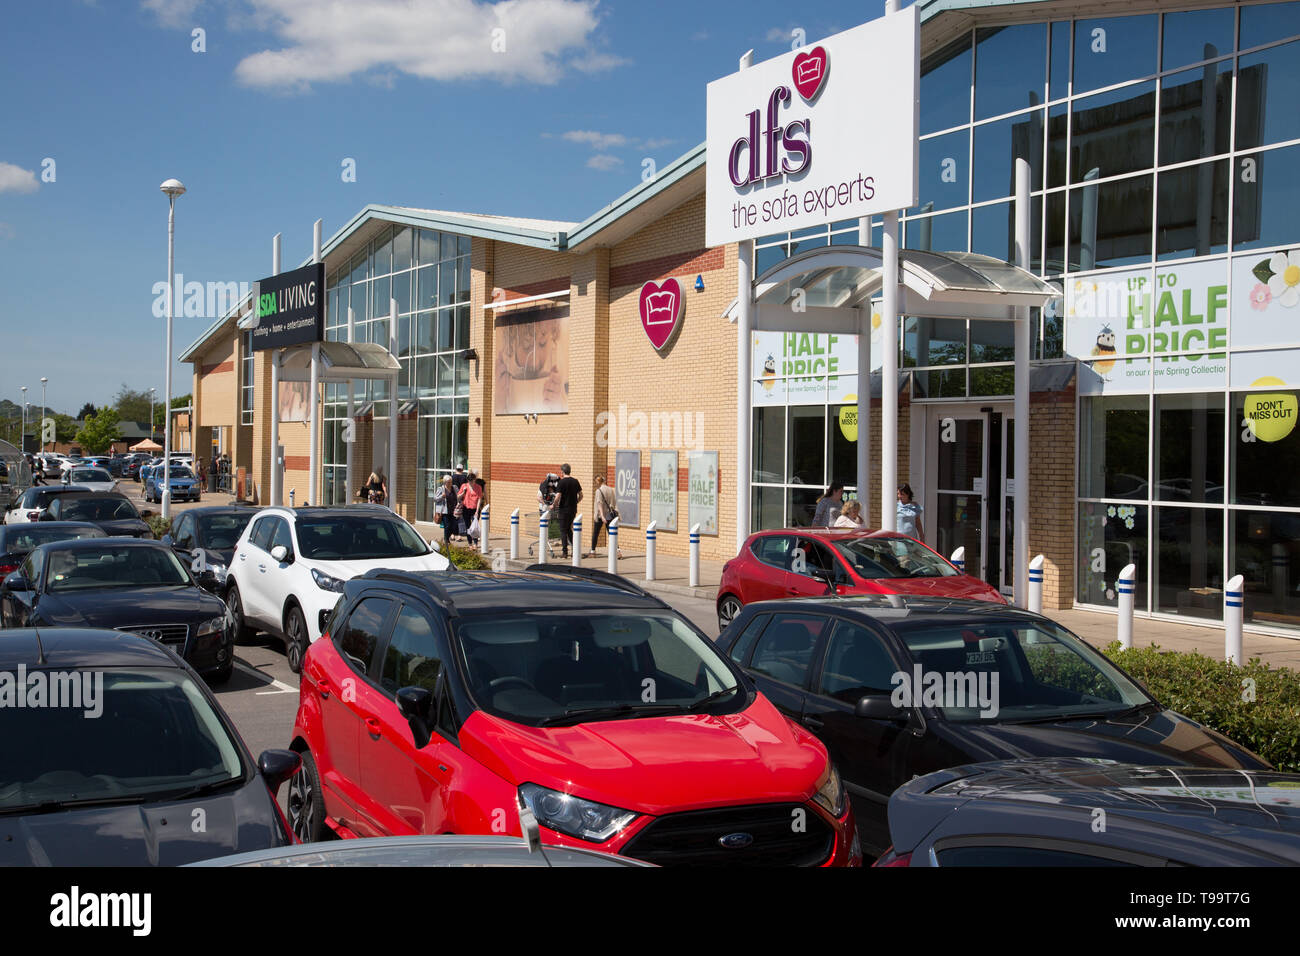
(167,374)
(543,535)
(277,474)
(351,424)
(1036,584)
(611,532)
(483,530)
(392,408)
(695,549)
(514,535)
(864,387)
(313,416)
(744,374)
(1234,613)
(1126,585)
(889,374)
(651,530)
(577,541)
(959,559)
(1020,507)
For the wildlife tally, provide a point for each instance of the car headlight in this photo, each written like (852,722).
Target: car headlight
(565,813)
(830,792)
(326,582)
(216,625)
(219,571)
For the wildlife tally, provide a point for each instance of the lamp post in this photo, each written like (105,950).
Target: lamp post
(43,381)
(22,435)
(153,392)
(173,188)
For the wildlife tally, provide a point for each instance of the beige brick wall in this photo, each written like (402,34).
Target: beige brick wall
(1052,437)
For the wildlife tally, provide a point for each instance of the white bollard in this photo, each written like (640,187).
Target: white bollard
(1126,586)
(543,535)
(514,535)
(1036,584)
(611,531)
(577,541)
(695,555)
(1234,612)
(291,491)
(959,560)
(484,524)
(650,531)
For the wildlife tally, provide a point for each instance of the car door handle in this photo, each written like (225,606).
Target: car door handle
(814,723)
(373,728)
(324,688)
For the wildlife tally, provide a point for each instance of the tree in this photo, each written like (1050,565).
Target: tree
(133,405)
(100,431)
(180,401)
(86,412)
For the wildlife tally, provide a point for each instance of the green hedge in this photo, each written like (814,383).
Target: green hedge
(158,525)
(1211,692)
(467,559)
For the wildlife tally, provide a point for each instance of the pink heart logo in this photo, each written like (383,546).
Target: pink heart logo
(809,72)
(661,310)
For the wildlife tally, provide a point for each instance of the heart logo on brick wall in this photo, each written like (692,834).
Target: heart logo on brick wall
(661,310)
(809,72)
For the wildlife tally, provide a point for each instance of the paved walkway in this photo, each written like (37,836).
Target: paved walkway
(1098,628)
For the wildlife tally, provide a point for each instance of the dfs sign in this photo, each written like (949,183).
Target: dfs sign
(816,135)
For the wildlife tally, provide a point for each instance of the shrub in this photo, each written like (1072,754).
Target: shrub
(1216,693)
(466,559)
(158,525)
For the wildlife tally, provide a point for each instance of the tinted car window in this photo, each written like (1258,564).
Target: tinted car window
(262,532)
(774,549)
(817,555)
(96,509)
(24,537)
(109,566)
(221,531)
(785,650)
(856,665)
(746,640)
(181,532)
(359,537)
(893,558)
(413,658)
(281,537)
(360,635)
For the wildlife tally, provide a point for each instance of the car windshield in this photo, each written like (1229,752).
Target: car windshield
(112,566)
(893,558)
(97,509)
(1015,671)
(89,474)
(550,668)
(119,736)
(221,532)
(180,471)
(24,537)
(357,537)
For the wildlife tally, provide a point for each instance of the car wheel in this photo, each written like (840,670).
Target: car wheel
(306,805)
(728,608)
(242,631)
(295,638)
(222,676)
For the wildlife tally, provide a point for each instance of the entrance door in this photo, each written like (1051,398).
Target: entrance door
(969,470)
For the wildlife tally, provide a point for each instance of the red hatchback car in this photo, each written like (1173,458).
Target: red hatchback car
(443,702)
(812,562)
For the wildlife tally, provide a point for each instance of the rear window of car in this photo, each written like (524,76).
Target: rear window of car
(96,509)
(27,537)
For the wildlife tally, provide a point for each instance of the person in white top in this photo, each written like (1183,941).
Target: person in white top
(851,516)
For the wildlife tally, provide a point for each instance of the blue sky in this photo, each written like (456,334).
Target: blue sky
(258,125)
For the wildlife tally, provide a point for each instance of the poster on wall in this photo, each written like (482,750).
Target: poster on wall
(293,401)
(795,368)
(702,507)
(1266,300)
(627,488)
(532,361)
(663,489)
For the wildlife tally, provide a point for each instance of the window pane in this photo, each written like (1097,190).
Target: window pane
(961,462)
(949,383)
(1192,211)
(402,248)
(1187,576)
(1058,120)
(1265,550)
(445,330)
(945,88)
(769,446)
(1010,68)
(806,459)
(1188,33)
(1111,536)
(841,453)
(412,658)
(943,172)
(1110,223)
(945,233)
(401,291)
(461,428)
(1265,456)
(1268,22)
(1189,448)
(999,380)
(381,295)
(428,249)
(424,335)
(1060,77)
(768,508)
(426,287)
(360,302)
(463,246)
(784,651)
(1113,50)
(1266,85)
(446,375)
(1055,252)
(446,282)
(1266,209)
(462,327)
(1113,133)
(443,462)
(992,341)
(462,280)
(1195,118)
(856,664)
(997,147)
(1113,447)
(801,506)
(928,341)
(384,254)
(993,231)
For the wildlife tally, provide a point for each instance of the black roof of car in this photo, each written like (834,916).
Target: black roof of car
(88,493)
(892,609)
(239,508)
(50,526)
(80,647)
(90,544)
(560,588)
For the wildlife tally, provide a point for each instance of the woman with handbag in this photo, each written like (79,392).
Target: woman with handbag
(605,512)
(471,500)
(442,507)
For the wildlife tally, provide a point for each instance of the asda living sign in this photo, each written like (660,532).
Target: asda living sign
(290,308)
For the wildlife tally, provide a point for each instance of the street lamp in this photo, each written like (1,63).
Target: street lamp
(22,436)
(43,381)
(173,188)
(152,394)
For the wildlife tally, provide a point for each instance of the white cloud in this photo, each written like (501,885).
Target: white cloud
(604,162)
(172,13)
(597,141)
(326,41)
(779,35)
(15,179)
(656,143)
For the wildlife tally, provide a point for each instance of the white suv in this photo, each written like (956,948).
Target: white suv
(290,565)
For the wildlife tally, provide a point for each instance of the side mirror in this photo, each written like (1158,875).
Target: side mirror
(277,766)
(281,554)
(434,545)
(167,539)
(880,707)
(416,704)
(17,581)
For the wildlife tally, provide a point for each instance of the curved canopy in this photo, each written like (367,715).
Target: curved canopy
(340,361)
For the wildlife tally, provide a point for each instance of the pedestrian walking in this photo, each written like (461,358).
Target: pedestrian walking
(851,516)
(568,494)
(828,506)
(471,502)
(603,511)
(909,514)
(376,487)
(443,501)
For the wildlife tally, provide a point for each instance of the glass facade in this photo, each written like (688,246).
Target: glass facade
(427,273)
